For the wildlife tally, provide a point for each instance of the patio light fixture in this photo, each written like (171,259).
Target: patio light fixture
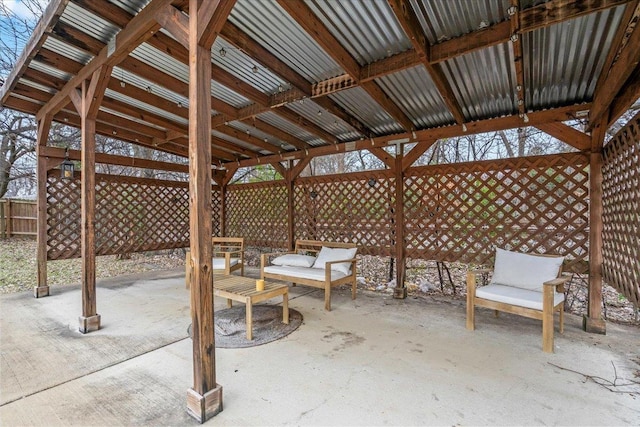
(512,10)
(313,194)
(66,167)
(372,182)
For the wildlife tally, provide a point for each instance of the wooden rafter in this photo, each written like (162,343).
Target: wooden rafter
(414,154)
(575,138)
(411,26)
(516,41)
(140,28)
(622,64)
(305,17)
(535,118)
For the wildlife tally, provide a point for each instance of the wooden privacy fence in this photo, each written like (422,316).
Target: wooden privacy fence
(621,211)
(18,218)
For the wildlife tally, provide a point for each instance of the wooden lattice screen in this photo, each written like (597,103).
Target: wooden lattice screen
(621,211)
(132,215)
(257,212)
(460,212)
(349,208)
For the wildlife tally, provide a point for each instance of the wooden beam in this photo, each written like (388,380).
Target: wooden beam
(138,30)
(177,23)
(411,25)
(629,94)
(567,134)
(305,17)
(112,159)
(516,44)
(387,159)
(627,60)
(502,123)
(295,171)
(414,154)
(48,19)
(400,290)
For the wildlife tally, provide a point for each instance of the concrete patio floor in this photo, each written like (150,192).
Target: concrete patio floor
(372,361)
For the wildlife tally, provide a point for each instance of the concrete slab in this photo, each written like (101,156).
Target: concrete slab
(373,361)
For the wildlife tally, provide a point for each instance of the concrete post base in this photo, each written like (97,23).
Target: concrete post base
(203,408)
(594,326)
(400,293)
(89,324)
(40,291)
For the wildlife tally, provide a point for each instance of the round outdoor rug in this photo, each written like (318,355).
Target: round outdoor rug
(231,327)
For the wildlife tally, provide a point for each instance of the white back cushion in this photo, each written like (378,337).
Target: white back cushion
(335,254)
(524,271)
(294,260)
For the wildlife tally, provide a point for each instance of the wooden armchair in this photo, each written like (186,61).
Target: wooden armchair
(228,256)
(523,284)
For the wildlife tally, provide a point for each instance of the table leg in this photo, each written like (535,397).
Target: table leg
(249,317)
(229,303)
(285,307)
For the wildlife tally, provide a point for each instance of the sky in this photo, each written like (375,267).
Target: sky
(18,11)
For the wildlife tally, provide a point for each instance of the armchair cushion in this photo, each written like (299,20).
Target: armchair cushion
(335,254)
(516,296)
(524,271)
(303,273)
(294,260)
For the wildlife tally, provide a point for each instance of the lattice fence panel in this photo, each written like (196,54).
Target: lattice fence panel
(460,212)
(351,208)
(621,211)
(132,215)
(258,212)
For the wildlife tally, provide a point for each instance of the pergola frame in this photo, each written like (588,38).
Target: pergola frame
(195,25)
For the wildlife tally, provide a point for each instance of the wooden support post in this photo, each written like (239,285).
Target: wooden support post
(593,321)
(223,210)
(90,319)
(400,291)
(204,399)
(42,289)
(290,179)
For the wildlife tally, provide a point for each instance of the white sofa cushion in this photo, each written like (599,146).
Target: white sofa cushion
(515,296)
(303,273)
(335,254)
(218,263)
(294,260)
(524,271)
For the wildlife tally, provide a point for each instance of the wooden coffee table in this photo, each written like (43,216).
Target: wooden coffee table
(243,289)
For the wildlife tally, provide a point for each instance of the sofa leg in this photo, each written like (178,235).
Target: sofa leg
(547,319)
(327,298)
(471,309)
(561,320)
(353,290)
(496,313)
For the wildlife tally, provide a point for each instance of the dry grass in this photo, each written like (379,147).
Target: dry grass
(18,266)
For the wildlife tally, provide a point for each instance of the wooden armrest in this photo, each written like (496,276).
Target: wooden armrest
(557,281)
(228,252)
(352,260)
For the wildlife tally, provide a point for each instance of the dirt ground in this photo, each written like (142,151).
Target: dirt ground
(423,278)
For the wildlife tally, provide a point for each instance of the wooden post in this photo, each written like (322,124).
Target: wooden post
(42,289)
(7,216)
(593,322)
(223,210)
(90,319)
(204,399)
(400,291)
(290,180)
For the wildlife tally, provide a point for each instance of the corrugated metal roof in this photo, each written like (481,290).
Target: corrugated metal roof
(89,23)
(281,123)
(562,62)
(54,72)
(253,131)
(368,30)
(146,107)
(484,82)
(236,141)
(360,105)
(425,108)
(245,68)
(445,19)
(272,27)
(67,50)
(322,118)
(135,80)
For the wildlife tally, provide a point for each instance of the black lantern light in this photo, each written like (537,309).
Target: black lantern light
(66,167)
(372,182)
(313,194)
